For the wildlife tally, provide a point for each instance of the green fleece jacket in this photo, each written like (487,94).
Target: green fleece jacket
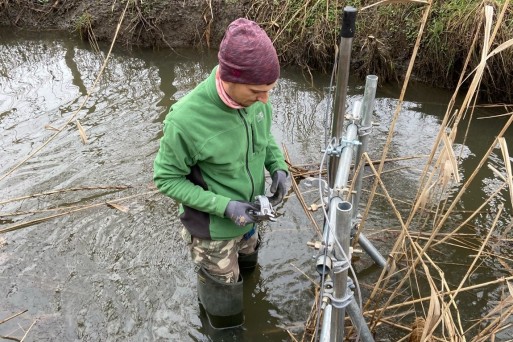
(211,154)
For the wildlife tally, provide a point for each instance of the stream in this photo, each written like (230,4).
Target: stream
(120,271)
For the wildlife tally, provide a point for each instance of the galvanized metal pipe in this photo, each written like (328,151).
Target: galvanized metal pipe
(369,248)
(344,61)
(346,158)
(343,231)
(324,261)
(340,212)
(364,137)
(323,264)
(366,121)
(353,310)
(342,81)
(340,274)
(326,321)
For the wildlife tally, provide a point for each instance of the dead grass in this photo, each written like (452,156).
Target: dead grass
(306,34)
(415,273)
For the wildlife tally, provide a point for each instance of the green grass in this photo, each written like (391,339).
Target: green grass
(83,24)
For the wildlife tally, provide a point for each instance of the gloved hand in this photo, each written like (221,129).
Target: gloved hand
(238,212)
(278,187)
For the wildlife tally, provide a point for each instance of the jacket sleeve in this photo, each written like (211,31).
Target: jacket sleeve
(173,163)
(274,159)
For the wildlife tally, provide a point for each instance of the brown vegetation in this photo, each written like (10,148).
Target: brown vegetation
(304,31)
(413,294)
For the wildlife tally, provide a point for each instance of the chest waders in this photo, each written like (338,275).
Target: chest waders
(248,262)
(221,301)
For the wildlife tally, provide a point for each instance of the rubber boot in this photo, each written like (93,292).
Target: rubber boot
(248,262)
(221,301)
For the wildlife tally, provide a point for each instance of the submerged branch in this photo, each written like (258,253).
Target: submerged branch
(47,218)
(13,316)
(53,192)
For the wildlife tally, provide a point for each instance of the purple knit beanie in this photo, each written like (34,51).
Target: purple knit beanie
(247,55)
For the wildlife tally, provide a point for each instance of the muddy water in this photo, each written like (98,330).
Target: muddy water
(121,272)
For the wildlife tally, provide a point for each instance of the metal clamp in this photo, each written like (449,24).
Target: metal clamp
(338,303)
(363,131)
(345,143)
(266,212)
(341,303)
(337,150)
(340,265)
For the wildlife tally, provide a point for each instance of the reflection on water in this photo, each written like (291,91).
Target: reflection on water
(123,273)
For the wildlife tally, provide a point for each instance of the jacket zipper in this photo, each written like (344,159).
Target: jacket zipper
(248,138)
(253,139)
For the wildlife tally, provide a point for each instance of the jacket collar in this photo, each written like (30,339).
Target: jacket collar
(212,91)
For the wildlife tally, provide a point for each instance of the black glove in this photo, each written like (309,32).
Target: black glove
(239,212)
(278,187)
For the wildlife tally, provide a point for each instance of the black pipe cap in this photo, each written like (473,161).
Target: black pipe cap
(349,22)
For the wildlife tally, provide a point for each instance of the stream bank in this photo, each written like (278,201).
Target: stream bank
(305,34)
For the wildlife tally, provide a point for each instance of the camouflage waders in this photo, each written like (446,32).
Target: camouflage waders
(219,282)
(220,257)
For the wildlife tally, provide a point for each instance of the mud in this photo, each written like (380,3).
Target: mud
(173,23)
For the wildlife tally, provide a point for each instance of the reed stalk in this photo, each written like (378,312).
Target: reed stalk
(411,262)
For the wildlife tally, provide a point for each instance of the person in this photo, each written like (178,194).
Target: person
(216,146)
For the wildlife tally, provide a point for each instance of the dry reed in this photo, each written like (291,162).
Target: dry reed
(411,263)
